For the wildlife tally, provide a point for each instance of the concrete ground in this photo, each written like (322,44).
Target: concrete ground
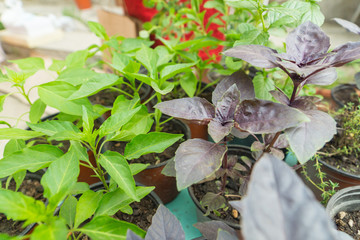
(76,39)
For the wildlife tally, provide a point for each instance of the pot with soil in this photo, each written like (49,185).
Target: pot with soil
(165,186)
(345,93)
(233,191)
(344,209)
(340,158)
(31,187)
(85,172)
(143,211)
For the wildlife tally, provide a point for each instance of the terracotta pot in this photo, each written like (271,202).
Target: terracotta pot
(200,211)
(165,186)
(83,4)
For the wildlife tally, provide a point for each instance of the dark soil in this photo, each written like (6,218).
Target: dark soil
(107,97)
(230,214)
(349,222)
(153,158)
(349,163)
(29,187)
(143,212)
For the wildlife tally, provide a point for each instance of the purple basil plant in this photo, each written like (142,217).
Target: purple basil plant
(294,121)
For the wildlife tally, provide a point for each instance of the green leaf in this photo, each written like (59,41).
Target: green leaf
(79,188)
(14,145)
(133,44)
(166,88)
(67,135)
(76,59)
(99,30)
(4,236)
(188,82)
(118,169)
(88,121)
(77,76)
(116,121)
(95,84)
(55,95)
(314,14)
(148,143)
(17,133)
(141,77)
(137,167)
(33,159)
(120,61)
(37,110)
(68,210)
(31,64)
(60,177)
(218,5)
(166,56)
(148,58)
(52,127)
(57,65)
(253,36)
(86,206)
(171,70)
(54,230)
(113,201)
(105,228)
(213,202)
(140,123)
(2,100)
(17,206)
(121,104)
(19,178)
(262,86)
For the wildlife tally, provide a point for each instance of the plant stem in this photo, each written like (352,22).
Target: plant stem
(224,166)
(121,91)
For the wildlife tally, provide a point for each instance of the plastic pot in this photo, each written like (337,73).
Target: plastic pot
(83,4)
(345,93)
(200,211)
(347,199)
(165,186)
(36,176)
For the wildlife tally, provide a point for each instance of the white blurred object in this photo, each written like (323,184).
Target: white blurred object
(16,20)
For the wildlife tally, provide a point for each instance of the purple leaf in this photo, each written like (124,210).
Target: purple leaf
(306,43)
(241,80)
(343,54)
(195,160)
(309,137)
(280,96)
(223,122)
(210,229)
(130,235)
(164,226)
(261,116)
(218,130)
(195,109)
(239,134)
(281,141)
(352,27)
(224,235)
(324,77)
(279,206)
(305,103)
(257,55)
